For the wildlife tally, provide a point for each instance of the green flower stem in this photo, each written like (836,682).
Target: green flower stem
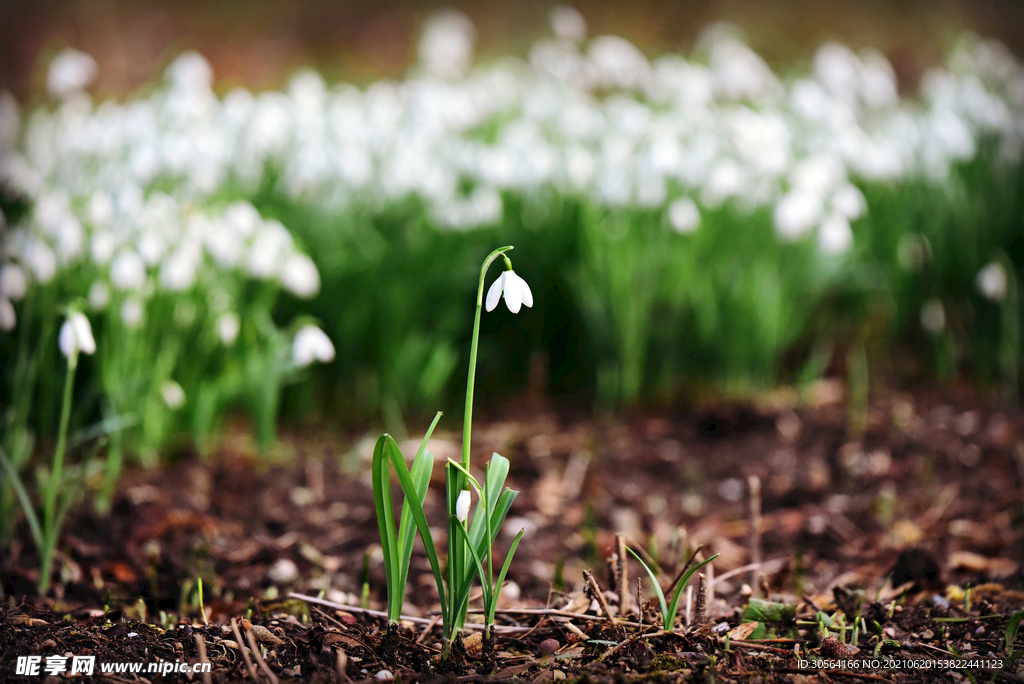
(467,426)
(54,481)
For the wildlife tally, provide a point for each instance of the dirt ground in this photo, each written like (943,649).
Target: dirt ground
(916,526)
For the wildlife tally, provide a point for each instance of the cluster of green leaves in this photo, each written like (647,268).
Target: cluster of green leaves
(467,547)
(670,608)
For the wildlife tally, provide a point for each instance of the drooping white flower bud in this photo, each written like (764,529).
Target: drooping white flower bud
(462,506)
(76,336)
(991,282)
(311,344)
(8,319)
(13,283)
(172,393)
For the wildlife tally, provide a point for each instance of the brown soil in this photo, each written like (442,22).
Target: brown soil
(930,497)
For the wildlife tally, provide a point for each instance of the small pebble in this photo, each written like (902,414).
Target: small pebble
(384,674)
(547,647)
(283,571)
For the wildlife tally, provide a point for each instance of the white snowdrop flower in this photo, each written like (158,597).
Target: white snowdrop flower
(817,173)
(991,281)
(516,291)
(173,395)
(190,71)
(446,46)
(178,271)
(568,23)
(796,213)
(99,295)
(8,318)
(128,271)
(877,80)
(933,316)
(740,72)
(70,238)
(726,179)
(849,201)
(300,276)
(268,249)
(131,312)
(838,69)
(102,246)
(152,246)
(311,344)
(228,326)
(76,336)
(834,235)
(101,209)
(683,215)
(462,506)
(40,260)
(70,72)
(618,63)
(13,283)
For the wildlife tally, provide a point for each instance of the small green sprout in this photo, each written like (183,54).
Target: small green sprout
(669,609)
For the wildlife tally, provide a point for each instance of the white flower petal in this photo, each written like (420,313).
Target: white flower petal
(494,294)
(462,506)
(8,318)
(527,293)
(513,291)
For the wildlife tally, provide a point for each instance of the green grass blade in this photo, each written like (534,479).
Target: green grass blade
(673,606)
(24,499)
(501,575)
(657,589)
(386,523)
(416,507)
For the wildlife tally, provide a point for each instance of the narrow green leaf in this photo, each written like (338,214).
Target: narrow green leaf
(657,589)
(25,500)
(461,527)
(426,437)
(409,489)
(422,468)
(673,607)
(501,575)
(386,521)
(1011,631)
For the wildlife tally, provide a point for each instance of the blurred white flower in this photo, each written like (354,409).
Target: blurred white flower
(71,71)
(516,291)
(13,283)
(991,281)
(178,271)
(99,295)
(849,201)
(462,506)
(311,344)
(446,46)
(568,23)
(101,209)
(190,71)
(834,235)
(76,335)
(228,326)
(618,63)
(173,395)
(40,260)
(796,213)
(933,316)
(299,275)
(127,271)
(131,312)
(683,215)
(8,319)
(913,251)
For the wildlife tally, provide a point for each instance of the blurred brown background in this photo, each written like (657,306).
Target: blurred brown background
(258,43)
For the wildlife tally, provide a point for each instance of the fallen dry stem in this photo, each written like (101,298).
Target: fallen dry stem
(201,648)
(243,650)
(259,657)
(594,591)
